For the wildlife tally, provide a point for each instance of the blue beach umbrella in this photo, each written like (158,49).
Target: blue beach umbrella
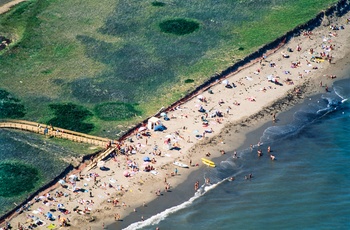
(49,215)
(146,159)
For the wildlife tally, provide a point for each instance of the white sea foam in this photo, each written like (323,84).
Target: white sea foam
(161,216)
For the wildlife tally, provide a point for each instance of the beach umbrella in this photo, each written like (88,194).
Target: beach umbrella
(49,215)
(225,82)
(126,173)
(61,181)
(51,226)
(73,176)
(269,77)
(146,159)
(60,206)
(142,129)
(163,114)
(100,164)
(200,97)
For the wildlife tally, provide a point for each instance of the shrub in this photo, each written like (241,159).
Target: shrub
(189,81)
(156,3)
(179,26)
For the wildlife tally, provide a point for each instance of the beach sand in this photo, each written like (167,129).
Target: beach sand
(6,7)
(246,106)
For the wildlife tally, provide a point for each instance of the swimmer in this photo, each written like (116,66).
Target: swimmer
(235,154)
(231,179)
(207,181)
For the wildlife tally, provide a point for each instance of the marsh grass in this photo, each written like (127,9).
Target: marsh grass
(116,111)
(107,51)
(179,26)
(157,3)
(20,178)
(10,107)
(72,117)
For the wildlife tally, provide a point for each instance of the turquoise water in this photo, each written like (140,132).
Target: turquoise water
(307,187)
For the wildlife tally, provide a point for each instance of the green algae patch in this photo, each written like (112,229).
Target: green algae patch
(116,111)
(18,178)
(179,26)
(72,117)
(10,107)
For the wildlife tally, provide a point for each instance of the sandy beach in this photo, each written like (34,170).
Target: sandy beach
(203,127)
(6,7)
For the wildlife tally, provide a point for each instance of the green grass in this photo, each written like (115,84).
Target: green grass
(110,52)
(116,111)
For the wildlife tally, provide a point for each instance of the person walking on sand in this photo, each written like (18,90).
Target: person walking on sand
(274,117)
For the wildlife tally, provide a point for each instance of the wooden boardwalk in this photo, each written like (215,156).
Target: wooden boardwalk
(63,134)
(54,132)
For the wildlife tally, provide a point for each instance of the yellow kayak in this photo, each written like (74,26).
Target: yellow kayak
(208,162)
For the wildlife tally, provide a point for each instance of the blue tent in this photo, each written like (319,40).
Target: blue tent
(159,128)
(146,159)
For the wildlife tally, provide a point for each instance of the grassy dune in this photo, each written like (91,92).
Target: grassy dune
(112,59)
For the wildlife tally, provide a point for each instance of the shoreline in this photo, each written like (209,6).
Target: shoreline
(252,135)
(195,151)
(261,120)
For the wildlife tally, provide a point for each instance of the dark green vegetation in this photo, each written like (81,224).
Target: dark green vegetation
(70,116)
(189,81)
(156,3)
(10,107)
(110,51)
(116,111)
(179,26)
(17,177)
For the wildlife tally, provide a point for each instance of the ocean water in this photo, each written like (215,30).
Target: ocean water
(306,187)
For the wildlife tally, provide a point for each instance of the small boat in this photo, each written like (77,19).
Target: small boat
(182,165)
(208,162)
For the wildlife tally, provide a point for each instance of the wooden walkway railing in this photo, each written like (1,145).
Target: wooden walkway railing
(54,132)
(100,157)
